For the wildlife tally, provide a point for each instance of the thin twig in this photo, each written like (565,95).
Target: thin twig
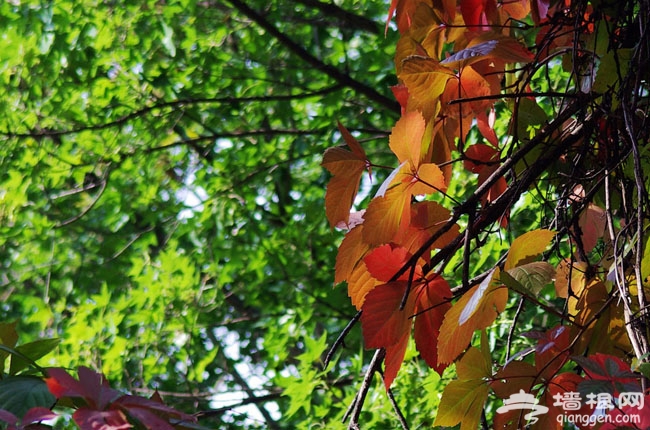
(360,398)
(341,339)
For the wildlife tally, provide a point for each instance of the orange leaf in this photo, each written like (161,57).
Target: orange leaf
(427,180)
(431,305)
(351,251)
(570,274)
(527,247)
(426,80)
(404,11)
(406,138)
(471,85)
(427,218)
(478,312)
(385,215)
(360,283)
(347,168)
(353,143)
(557,387)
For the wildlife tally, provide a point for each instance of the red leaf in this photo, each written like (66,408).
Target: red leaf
(91,386)
(478,156)
(37,414)
(552,349)
(9,418)
(640,416)
(382,321)
(394,358)
(385,261)
(486,127)
(432,304)
(477,14)
(606,367)
(134,405)
(88,419)
(401,94)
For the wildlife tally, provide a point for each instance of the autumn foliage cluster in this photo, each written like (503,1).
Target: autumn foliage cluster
(461,66)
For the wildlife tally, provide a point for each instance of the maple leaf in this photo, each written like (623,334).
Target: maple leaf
(463,399)
(346,168)
(475,310)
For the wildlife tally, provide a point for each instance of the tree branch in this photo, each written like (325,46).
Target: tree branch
(331,71)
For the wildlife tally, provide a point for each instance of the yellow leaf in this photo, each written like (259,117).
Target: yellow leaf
(426,80)
(527,247)
(463,399)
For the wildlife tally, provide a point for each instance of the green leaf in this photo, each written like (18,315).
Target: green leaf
(531,277)
(8,337)
(18,394)
(34,351)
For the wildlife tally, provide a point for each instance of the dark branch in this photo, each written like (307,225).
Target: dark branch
(331,71)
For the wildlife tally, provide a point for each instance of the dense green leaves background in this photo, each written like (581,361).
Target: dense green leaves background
(161,199)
